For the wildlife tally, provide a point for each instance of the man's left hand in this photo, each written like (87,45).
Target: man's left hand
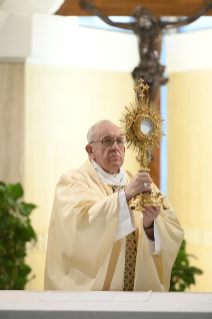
(149,215)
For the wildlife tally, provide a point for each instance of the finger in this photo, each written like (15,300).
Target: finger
(146,180)
(146,184)
(155,208)
(155,211)
(147,212)
(143,174)
(147,188)
(139,178)
(152,210)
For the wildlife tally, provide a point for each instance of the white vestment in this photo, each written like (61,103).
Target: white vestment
(82,253)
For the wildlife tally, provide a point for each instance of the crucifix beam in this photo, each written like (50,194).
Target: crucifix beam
(125,7)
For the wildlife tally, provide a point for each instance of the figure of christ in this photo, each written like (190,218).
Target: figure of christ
(149,30)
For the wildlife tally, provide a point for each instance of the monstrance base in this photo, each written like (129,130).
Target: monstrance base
(139,202)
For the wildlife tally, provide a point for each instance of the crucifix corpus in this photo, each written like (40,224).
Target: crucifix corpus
(149,30)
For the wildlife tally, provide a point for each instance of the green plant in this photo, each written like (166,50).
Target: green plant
(15,232)
(182,273)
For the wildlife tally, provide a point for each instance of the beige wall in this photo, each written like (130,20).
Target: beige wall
(12,77)
(189,146)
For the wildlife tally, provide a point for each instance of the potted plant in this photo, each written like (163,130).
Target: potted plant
(182,275)
(15,232)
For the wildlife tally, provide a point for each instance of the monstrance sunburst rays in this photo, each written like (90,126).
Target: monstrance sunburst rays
(131,120)
(141,125)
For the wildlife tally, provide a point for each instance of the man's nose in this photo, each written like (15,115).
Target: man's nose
(114,145)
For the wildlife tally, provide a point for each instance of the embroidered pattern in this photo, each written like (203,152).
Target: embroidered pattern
(130,255)
(117,188)
(130,262)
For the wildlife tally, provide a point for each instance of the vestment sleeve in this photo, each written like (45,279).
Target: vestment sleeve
(154,246)
(85,226)
(154,270)
(126,223)
(171,236)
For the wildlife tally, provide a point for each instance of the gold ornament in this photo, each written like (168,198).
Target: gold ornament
(141,124)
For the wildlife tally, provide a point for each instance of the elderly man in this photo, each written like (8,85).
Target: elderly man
(95,241)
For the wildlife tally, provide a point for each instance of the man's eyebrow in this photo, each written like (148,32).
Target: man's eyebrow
(108,136)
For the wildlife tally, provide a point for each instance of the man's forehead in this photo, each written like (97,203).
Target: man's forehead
(108,129)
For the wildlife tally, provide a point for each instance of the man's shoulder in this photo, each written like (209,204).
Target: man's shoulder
(81,173)
(77,173)
(73,173)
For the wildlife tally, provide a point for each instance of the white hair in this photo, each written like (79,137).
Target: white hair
(92,130)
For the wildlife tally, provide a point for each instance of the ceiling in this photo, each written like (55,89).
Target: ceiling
(125,7)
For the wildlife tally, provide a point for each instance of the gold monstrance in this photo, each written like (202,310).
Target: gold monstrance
(141,124)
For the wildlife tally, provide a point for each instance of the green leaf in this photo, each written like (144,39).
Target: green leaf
(15,190)
(15,231)
(2,184)
(191,255)
(182,275)
(196,271)
(12,203)
(28,208)
(21,209)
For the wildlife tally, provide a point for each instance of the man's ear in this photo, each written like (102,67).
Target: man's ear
(89,150)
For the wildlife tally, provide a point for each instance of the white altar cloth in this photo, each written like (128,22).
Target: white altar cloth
(104,305)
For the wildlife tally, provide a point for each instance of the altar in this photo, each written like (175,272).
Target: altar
(104,305)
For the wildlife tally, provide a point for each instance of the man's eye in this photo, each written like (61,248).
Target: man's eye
(107,141)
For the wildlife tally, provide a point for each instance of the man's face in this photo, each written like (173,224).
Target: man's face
(111,158)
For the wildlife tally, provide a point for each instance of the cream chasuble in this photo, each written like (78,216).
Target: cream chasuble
(82,254)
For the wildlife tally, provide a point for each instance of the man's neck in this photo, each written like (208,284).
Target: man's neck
(110,178)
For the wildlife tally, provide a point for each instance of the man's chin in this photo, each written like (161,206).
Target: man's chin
(115,166)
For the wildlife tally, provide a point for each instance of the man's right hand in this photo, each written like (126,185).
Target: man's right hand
(136,185)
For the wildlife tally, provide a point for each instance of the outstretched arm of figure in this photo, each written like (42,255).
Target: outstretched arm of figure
(190,19)
(89,6)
